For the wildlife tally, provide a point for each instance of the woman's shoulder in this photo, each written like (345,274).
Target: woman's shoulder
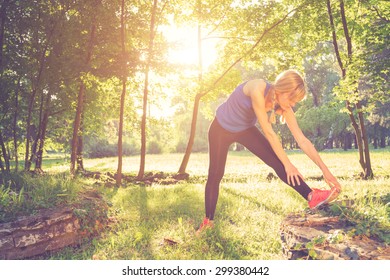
(255,86)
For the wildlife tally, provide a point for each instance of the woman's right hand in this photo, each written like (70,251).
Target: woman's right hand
(293,175)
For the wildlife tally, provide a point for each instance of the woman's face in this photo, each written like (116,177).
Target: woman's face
(285,102)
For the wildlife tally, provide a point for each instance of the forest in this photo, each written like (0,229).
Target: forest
(116,97)
(110,78)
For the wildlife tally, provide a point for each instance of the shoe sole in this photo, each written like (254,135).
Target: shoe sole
(332,196)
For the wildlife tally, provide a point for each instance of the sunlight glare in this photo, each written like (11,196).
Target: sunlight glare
(185,40)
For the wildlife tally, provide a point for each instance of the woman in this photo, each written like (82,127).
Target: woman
(235,122)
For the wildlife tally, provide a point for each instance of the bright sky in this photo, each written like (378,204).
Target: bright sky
(187,51)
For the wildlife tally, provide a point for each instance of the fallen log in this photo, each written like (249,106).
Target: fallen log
(317,235)
(52,229)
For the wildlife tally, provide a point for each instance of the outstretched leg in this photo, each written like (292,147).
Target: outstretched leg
(255,142)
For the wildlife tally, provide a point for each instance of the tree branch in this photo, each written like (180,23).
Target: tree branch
(375,9)
(335,44)
(218,24)
(228,38)
(346,30)
(265,32)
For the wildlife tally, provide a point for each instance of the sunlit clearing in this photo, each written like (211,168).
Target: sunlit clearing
(164,109)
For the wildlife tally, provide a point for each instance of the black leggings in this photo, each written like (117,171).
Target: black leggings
(219,142)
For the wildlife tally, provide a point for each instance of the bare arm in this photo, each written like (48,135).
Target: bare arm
(308,148)
(255,89)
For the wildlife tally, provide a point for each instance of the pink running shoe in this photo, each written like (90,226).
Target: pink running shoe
(206,224)
(320,197)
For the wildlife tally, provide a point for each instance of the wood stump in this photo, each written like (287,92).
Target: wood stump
(314,235)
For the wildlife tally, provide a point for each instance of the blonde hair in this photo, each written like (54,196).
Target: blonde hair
(289,82)
(292,83)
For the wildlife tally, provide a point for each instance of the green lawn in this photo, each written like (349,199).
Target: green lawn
(249,212)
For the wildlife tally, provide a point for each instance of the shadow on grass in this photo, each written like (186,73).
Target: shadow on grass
(154,212)
(253,200)
(149,216)
(163,224)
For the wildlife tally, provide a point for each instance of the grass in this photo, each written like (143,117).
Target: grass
(159,221)
(23,193)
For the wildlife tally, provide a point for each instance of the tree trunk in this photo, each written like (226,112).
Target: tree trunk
(239,147)
(200,94)
(35,87)
(355,144)
(191,140)
(37,140)
(42,62)
(79,156)
(76,128)
(347,142)
(364,152)
(329,142)
(1,168)
(3,14)
(315,94)
(123,95)
(80,103)
(382,138)
(368,173)
(42,136)
(4,154)
(80,146)
(359,128)
(359,140)
(376,135)
(141,171)
(120,134)
(3,17)
(15,126)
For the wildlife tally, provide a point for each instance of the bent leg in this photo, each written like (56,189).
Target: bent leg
(255,142)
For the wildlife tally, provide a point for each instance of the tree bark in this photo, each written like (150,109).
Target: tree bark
(80,156)
(37,140)
(141,171)
(368,173)
(382,137)
(15,126)
(3,18)
(42,136)
(120,134)
(315,94)
(1,168)
(80,103)
(123,95)
(191,139)
(4,154)
(76,128)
